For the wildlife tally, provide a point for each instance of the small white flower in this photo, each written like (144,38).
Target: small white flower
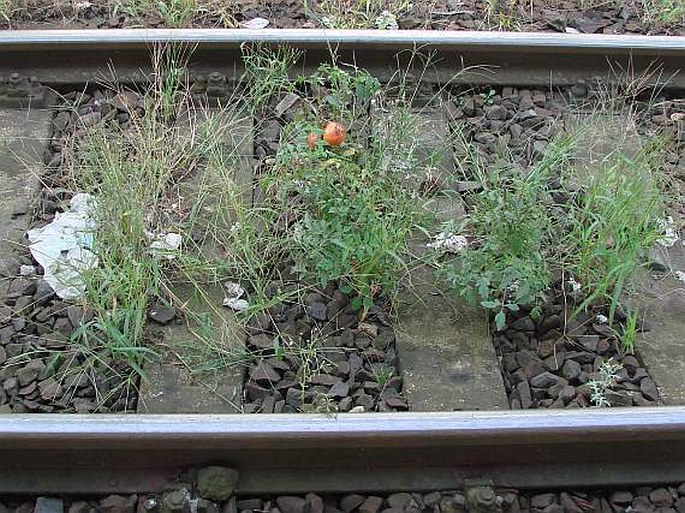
(387,21)
(670,235)
(27,270)
(448,242)
(601,319)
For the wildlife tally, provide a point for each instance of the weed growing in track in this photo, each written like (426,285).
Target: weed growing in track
(357,14)
(508,263)
(608,375)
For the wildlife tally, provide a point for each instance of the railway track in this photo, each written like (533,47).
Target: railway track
(90,455)
(68,57)
(360,452)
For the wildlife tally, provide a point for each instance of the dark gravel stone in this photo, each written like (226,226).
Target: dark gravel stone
(118,504)
(372,504)
(314,503)
(679,505)
(261,341)
(339,390)
(324,379)
(523,324)
(648,389)
(351,502)
(264,374)
(400,501)
(291,504)
(619,398)
(544,380)
(397,402)
(22,287)
(524,394)
(49,505)
(641,504)
(569,504)
(431,499)
(161,313)
(317,310)
(80,507)
(293,398)
(216,483)
(9,267)
(622,498)
(542,500)
(661,498)
(589,342)
(571,370)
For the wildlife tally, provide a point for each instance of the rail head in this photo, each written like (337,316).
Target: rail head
(372,39)
(577,426)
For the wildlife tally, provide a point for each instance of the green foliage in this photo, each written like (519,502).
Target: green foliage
(608,374)
(613,223)
(663,12)
(355,14)
(506,266)
(350,211)
(266,73)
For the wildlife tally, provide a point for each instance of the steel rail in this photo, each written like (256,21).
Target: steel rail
(72,56)
(370,452)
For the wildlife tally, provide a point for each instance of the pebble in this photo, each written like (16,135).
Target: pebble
(49,505)
(161,313)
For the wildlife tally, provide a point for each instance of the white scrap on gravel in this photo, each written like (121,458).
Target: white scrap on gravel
(234,293)
(64,247)
(574,287)
(680,275)
(669,234)
(448,242)
(255,24)
(166,245)
(601,319)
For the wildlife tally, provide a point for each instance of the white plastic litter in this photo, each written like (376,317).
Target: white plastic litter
(165,245)
(574,287)
(601,319)
(670,235)
(680,275)
(255,23)
(64,247)
(234,293)
(448,242)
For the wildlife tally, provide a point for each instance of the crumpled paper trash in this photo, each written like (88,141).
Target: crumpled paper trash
(233,300)
(64,247)
(166,245)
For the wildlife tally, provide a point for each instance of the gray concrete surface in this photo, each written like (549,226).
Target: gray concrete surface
(447,357)
(23,136)
(170,386)
(446,354)
(661,302)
